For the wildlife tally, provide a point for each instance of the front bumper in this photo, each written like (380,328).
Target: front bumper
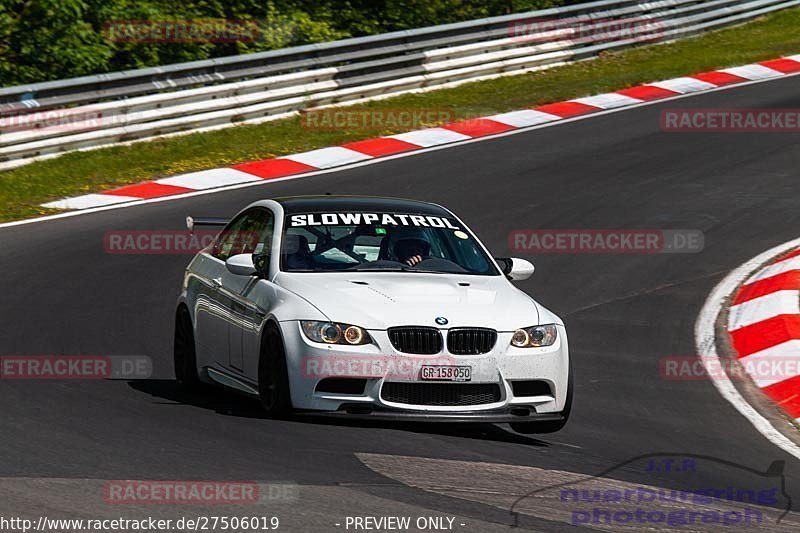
(379,363)
(495,416)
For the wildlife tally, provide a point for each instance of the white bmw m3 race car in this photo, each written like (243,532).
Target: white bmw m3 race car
(370,308)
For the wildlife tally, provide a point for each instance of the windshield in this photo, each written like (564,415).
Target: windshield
(386,242)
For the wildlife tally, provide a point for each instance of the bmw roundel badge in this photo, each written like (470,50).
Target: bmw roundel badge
(441,320)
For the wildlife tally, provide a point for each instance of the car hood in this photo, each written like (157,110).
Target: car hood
(383,300)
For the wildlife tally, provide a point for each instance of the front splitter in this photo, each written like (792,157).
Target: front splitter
(358,412)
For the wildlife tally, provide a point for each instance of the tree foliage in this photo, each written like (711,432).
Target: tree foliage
(53,39)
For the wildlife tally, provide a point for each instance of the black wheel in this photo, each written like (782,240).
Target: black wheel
(273,376)
(185,358)
(549,427)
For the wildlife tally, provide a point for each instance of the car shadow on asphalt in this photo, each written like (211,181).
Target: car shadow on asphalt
(218,399)
(492,432)
(229,403)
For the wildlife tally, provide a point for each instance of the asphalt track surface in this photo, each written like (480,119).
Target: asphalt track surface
(62,294)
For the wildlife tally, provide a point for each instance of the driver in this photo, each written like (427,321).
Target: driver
(412,251)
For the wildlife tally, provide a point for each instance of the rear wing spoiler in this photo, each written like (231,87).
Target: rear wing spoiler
(191,222)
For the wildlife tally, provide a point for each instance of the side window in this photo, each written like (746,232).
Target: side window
(249,233)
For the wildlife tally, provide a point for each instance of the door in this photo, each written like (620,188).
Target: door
(252,236)
(227,314)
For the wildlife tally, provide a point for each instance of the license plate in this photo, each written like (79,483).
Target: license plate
(446,373)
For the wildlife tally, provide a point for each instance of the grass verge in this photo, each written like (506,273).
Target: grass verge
(22,190)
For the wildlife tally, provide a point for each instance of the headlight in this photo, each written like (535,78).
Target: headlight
(534,336)
(334,333)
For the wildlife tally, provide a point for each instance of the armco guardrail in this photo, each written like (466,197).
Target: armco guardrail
(45,119)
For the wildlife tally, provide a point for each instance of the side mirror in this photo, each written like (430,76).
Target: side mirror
(515,269)
(241,265)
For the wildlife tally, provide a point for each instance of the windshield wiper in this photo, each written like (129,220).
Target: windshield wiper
(401,268)
(378,269)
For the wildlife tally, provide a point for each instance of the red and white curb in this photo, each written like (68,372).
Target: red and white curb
(764,326)
(761,327)
(355,152)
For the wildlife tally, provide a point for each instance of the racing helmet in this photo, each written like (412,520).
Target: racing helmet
(402,243)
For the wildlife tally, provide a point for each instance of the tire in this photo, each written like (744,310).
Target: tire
(184,354)
(273,375)
(528,428)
